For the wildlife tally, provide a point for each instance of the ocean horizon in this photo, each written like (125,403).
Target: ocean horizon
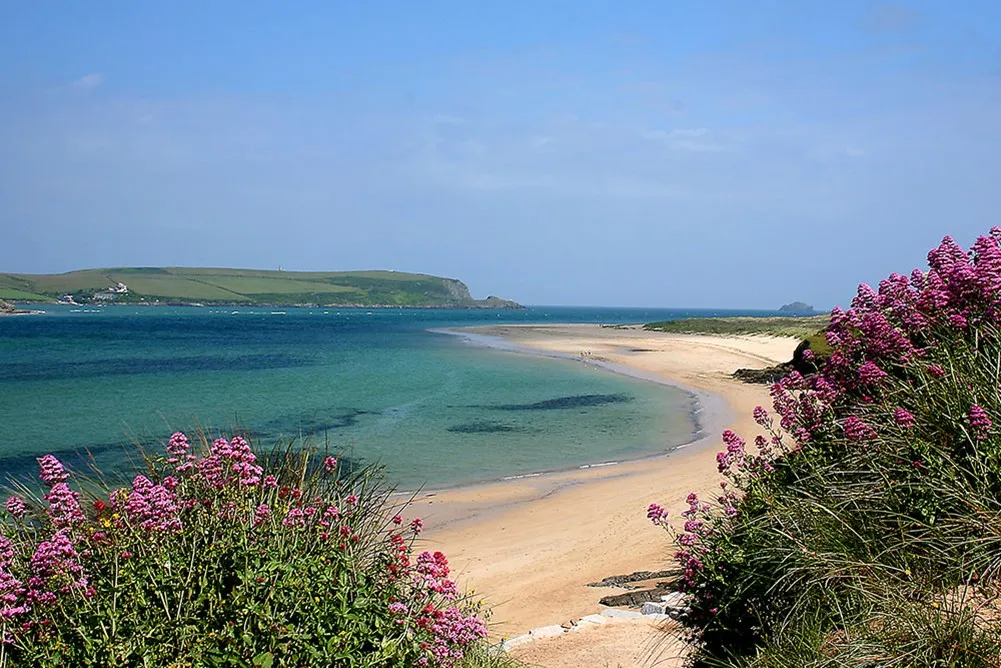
(376,385)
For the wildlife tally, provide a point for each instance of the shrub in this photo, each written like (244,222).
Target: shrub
(215,558)
(864,526)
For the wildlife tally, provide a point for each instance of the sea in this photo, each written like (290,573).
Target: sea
(97,385)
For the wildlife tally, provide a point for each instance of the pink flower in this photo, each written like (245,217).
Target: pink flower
(656,513)
(64,507)
(16,507)
(903,418)
(52,471)
(857,430)
(330,464)
(179,451)
(936,371)
(55,567)
(431,571)
(261,514)
(270,482)
(761,416)
(295,517)
(152,507)
(227,458)
(417,525)
(979,421)
(870,373)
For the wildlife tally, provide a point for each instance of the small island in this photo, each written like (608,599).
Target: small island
(797,308)
(192,286)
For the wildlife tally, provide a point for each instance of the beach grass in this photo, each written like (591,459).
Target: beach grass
(863,526)
(799,327)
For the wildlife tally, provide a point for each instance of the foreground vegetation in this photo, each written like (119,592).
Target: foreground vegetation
(245,287)
(211,557)
(798,327)
(863,527)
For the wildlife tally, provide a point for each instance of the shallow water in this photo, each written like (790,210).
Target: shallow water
(376,384)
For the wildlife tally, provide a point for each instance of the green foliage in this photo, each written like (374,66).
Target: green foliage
(880,551)
(209,561)
(798,327)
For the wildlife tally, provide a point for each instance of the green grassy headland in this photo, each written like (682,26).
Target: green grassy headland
(182,285)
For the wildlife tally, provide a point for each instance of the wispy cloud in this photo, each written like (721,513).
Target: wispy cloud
(687,139)
(88,81)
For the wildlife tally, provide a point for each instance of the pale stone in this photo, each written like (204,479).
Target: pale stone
(615,613)
(547,631)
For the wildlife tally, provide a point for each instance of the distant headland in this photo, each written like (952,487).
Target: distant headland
(187,286)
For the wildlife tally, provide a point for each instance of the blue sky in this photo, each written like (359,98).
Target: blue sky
(715,154)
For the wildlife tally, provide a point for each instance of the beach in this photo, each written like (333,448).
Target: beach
(530,546)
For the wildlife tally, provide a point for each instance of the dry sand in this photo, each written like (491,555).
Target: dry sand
(529,547)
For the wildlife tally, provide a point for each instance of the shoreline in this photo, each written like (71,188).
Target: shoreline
(531,544)
(709,413)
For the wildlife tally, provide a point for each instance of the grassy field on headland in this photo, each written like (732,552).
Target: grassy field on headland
(185,285)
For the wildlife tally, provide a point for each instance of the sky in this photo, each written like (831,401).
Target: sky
(633,153)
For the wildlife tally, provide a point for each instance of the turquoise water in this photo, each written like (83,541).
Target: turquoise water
(435,410)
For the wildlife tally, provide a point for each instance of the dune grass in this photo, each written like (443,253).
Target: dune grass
(799,327)
(862,528)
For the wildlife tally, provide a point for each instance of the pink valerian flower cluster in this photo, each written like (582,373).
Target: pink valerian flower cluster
(656,513)
(691,540)
(15,506)
(64,506)
(179,450)
(431,572)
(261,514)
(55,569)
(856,430)
(893,327)
(903,418)
(888,326)
(451,632)
(52,471)
(227,458)
(11,589)
(734,454)
(295,517)
(153,508)
(980,422)
(330,464)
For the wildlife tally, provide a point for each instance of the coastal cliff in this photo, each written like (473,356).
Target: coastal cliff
(246,287)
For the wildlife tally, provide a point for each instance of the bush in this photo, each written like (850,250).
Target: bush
(864,528)
(216,558)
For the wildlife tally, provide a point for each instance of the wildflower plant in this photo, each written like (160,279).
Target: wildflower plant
(212,556)
(873,494)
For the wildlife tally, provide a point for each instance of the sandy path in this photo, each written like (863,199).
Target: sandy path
(531,546)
